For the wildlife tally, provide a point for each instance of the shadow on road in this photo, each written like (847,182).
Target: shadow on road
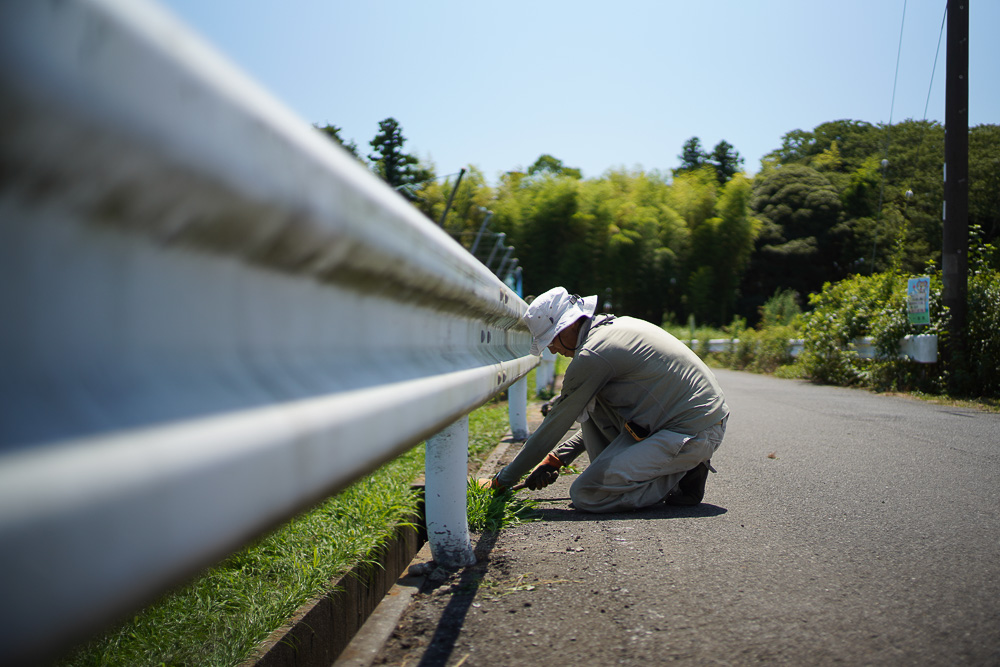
(649,513)
(443,642)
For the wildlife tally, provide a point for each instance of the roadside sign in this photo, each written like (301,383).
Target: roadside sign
(918,302)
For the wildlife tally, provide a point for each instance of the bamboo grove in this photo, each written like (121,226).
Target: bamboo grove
(705,239)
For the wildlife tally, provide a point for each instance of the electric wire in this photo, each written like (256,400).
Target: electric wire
(888,129)
(895,78)
(934,66)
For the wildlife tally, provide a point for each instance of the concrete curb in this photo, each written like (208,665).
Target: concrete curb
(320,630)
(370,638)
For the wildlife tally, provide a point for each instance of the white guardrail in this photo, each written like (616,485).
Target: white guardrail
(212,317)
(922,348)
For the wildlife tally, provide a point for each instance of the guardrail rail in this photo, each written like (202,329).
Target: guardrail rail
(212,317)
(921,348)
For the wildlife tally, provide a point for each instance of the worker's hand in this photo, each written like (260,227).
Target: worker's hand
(544,473)
(491,483)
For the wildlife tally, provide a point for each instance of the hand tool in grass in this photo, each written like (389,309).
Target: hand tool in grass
(487,483)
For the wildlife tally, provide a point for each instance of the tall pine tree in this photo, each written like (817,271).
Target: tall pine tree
(398,169)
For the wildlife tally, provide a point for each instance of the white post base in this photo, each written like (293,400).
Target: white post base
(445,471)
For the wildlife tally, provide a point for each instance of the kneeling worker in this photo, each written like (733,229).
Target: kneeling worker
(651,412)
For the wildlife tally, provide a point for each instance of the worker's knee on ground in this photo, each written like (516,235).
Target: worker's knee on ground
(582,496)
(584,502)
(592,495)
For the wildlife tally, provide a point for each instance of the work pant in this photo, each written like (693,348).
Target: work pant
(624,474)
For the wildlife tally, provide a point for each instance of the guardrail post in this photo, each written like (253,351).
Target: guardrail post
(517,409)
(445,473)
(546,374)
(922,348)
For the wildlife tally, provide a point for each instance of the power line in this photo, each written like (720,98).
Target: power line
(888,130)
(934,67)
(895,78)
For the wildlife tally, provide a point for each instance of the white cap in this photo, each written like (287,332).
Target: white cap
(552,312)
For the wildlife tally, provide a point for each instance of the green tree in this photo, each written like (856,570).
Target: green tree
(735,231)
(400,170)
(891,210)
(640,238)
(692,156)
(829,159)
(614,236)
(333,132)
(720,251)
(800,242)
(538,216)
(984,184)
(726,160)
(855,142)
(550,165)
(795,146)
(693,195)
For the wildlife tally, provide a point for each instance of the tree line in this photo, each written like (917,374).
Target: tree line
(704,239)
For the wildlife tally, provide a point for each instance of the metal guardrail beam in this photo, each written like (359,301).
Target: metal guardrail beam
(212,316)
(922,348)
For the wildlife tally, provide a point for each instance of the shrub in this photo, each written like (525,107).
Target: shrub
(865,306)
(766,348)
(772,349)
(982,326)
(741,345)
(782,309)
(875,306)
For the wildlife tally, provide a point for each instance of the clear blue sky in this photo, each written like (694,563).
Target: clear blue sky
(598,85)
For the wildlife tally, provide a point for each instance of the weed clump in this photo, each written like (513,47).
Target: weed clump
(491,512)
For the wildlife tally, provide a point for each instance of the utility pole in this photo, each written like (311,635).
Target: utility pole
(955,240)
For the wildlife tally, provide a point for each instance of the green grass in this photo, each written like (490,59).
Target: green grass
(491,512)
(487,426)
(219,618)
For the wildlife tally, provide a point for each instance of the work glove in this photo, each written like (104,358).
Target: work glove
(544,473)
(491,483)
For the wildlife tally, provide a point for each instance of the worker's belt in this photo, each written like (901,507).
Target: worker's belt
(636,431)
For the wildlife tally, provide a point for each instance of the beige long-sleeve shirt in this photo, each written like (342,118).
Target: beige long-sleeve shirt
(626,369)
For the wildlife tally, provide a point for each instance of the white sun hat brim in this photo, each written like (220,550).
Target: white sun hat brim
(552,312)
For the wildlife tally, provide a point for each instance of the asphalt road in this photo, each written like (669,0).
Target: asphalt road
(841,527)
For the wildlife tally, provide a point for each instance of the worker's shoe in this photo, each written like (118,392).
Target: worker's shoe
(691,489)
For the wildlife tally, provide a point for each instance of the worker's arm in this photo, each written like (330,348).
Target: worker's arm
(585,376)
(572,448)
